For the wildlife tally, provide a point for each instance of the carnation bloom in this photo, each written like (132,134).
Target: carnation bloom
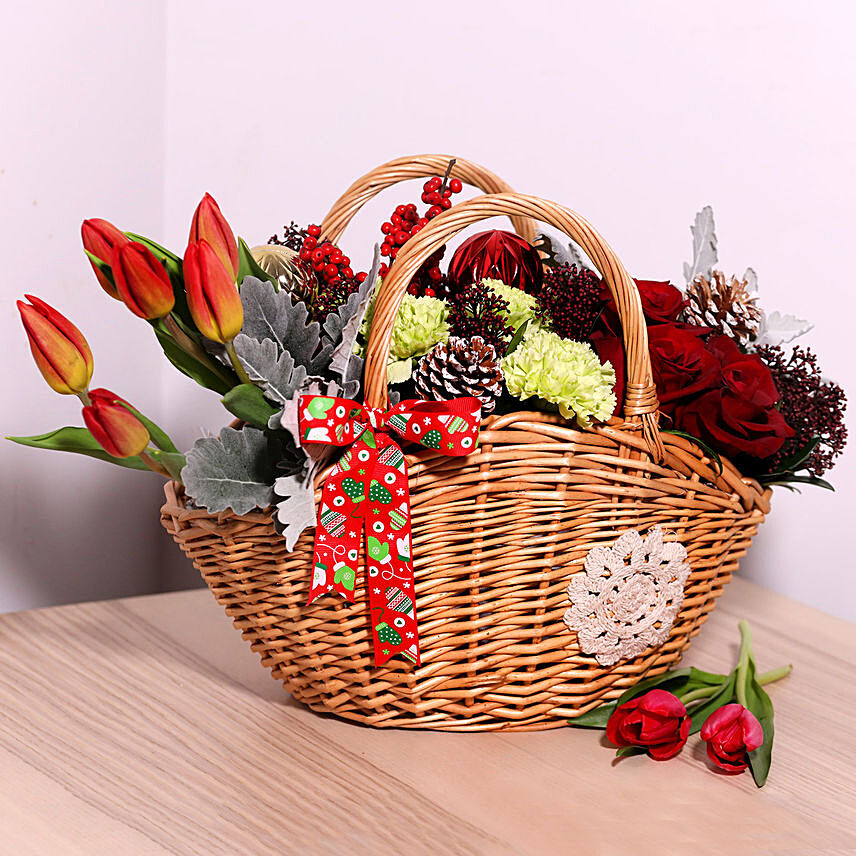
(521,306)
(420,324)
(563,372)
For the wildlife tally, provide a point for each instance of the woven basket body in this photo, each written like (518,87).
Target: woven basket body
(496,535)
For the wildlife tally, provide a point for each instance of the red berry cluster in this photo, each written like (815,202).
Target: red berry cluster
(406,222)
(327,260)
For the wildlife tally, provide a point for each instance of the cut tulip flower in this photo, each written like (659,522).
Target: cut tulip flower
(210,225)
(142,281)
(60,350)
(100,238)
(113,425)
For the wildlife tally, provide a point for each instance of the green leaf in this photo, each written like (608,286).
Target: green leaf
(626,751)
(188,364)
(788,479)
(248,266)
(159,437)
(517,338)
(247,402)
(79,441)
(710,452)
(791,464)
(701,712)
(172,462)
(759,703)
(675,681)
(102,266)
(162,253)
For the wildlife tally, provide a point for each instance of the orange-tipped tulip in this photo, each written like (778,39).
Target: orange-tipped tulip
(100,237)
(212,295)
(115,428)
(210,225)
(142,281)
(59,349)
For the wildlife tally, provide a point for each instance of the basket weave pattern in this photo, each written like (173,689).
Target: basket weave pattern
(496,535)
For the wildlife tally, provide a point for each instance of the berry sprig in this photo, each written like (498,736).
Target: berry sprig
(405,222)
(570,301)
(479,311)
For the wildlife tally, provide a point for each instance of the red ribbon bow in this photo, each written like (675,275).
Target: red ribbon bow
(368,489)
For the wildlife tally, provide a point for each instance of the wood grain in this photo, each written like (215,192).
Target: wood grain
(145,726)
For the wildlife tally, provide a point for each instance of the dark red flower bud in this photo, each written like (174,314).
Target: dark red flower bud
(731,733)
(657,721)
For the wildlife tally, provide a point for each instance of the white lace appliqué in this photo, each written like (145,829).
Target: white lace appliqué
(629,596)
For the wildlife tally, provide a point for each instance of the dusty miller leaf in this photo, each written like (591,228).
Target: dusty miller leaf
(296,509)
(274,371)
(235,470)
(276,316)
(778,329)
(704,245)
(751,280)
(561,250)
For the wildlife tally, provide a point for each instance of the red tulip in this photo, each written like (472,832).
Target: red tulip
(731,733)
(59,348)
(657,721)
(100,237)
(117,430)
(142,281)
(212,295)
(210,225)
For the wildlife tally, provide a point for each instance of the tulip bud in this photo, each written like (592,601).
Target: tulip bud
(100,238)
(117,430)
(59,349)
(142,281)
(731,733)
(212,295)
(210,225)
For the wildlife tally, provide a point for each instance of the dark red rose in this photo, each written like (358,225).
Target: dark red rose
(733,425)
(661,303)
(681,365)
(731,733)
(746,375)
(656,720)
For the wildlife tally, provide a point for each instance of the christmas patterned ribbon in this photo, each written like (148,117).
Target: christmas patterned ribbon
(368,489)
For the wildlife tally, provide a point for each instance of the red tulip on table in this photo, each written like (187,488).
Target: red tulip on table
(212,295)
(100,238)
(731,733)
(656,721)
(117,430)
(60,350)
(142,281)
(210,225)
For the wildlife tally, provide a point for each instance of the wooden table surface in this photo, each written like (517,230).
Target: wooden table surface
(146,725)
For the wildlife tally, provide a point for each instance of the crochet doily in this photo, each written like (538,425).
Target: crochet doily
(629,596)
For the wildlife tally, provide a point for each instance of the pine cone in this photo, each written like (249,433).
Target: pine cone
(727,307)
(459,368)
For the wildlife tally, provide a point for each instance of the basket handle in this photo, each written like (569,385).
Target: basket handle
(415,166)
(640,398)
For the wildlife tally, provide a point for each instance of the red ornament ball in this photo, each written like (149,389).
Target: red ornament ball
(496,255)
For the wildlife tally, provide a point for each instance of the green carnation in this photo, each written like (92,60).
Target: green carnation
(563,372)
(521,306)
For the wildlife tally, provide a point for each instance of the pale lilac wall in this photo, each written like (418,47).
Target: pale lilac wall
(634,114)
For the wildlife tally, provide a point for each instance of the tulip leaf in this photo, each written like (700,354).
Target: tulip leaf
(188,364)
(102,266)
(79,441)
(701,712)
(248,266)
(759,703)
(248,403)
(172,462)
(627,751)
(159,437)
(233,471)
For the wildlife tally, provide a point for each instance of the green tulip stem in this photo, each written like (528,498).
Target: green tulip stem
(153,465)
(240,371)
(701,692)
(707,692)
(743,661)
(775,674)
(195,350)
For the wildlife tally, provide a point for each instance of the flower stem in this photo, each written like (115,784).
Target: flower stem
(153,465)
(701,692)
(240,371)
(775,674)
(195,350)
(743,661)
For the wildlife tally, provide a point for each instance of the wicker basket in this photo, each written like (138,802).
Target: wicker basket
(496,535)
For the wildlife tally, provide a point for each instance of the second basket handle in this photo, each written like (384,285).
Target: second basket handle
(640,398)
(404,169)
